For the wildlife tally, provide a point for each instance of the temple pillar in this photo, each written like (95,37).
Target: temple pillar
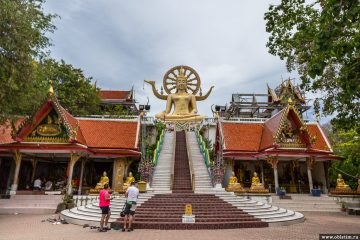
(262,173)
(273,161)
(17,158)
(73,159)
(310,164)
(34,164)
(228,172)
(118,174)
(81,176)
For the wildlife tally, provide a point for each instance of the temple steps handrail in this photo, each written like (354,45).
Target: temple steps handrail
(158,148)
(191,167)
(173,163)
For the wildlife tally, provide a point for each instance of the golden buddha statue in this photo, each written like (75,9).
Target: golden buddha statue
(256,185)
(104,179)
(340,184)
(181,79)
(255,181)
(128,181)
(234,185)
(341,187)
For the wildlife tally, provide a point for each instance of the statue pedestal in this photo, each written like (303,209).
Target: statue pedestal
(97,191)
(342,191)
(235,187)
(258,189)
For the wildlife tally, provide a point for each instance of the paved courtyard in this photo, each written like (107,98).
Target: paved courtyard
(33,227)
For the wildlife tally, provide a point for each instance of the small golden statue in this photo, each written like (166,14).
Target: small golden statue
(104,179)
(358,187)
(256,185)
(342,187)
(340,184)
(128,181)
(186,83)
(234,185)
(100,185)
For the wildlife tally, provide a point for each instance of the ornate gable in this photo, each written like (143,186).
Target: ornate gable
(292,131)
(50,123)
(287,90)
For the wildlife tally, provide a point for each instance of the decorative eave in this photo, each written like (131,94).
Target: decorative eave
(304,132)
(138,132)
(273,98)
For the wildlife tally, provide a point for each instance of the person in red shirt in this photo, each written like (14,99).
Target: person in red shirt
(104,204)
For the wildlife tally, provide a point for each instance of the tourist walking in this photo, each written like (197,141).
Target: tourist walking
(104,204)
(131,194)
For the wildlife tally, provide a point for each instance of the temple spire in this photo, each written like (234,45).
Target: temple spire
(51,89)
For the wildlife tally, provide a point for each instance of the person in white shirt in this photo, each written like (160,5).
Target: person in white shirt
(37,184)
(132,194)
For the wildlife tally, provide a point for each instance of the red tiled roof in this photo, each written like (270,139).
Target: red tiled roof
(6,129)
(109,133)
(108,94)
(320,142)
(5,134)
(270,128)
(242,137)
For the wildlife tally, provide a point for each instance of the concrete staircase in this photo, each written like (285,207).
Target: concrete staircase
(164,211)
(30,204)
(273,215)
(162,172)
(202,176)
(308,203)
(91,213)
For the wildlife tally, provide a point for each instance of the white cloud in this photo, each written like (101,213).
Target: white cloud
(121,43)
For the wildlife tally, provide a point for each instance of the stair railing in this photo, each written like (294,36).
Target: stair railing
(173,163)
(156,155)
(204,151)
(158,148)
(191,167)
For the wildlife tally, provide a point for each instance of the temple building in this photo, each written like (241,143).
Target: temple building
(272,139)
(113,98)
(72,152)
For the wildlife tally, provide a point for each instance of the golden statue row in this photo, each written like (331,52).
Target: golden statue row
(256,185)
(105,180)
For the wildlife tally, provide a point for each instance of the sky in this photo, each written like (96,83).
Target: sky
(121,43)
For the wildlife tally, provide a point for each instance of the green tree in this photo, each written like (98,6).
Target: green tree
(346,144)
(23,41)
(74,91)
(321,40)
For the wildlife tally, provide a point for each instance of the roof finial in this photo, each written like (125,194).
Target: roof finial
(51,89)
(290,101)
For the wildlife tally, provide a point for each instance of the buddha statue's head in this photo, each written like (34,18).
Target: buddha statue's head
(339,175)
(233,173)
(181,80)
(104,174)
(130,174)
(255,174)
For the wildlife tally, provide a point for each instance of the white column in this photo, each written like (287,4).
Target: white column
(273,160)
(81,176)
(17,158)
(73,159)
(309,165)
